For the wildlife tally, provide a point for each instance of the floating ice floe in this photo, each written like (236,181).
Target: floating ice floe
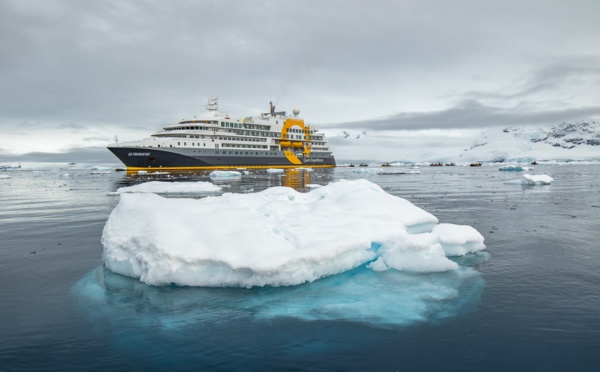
(528,179)
(4,177)
(225,174)
(312,185)
(385,171)
(160,187)
(100,172)
(539,179)
(397,172)
(98,168)
(515,168)
(277,237)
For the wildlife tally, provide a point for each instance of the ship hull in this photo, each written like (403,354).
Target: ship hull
(151,158)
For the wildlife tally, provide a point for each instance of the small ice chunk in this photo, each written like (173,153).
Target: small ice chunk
(274,170)
(539,179)
(225,174)
(514,168)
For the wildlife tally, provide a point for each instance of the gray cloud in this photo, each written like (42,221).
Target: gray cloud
(470,114)
(92,155)
(81,65)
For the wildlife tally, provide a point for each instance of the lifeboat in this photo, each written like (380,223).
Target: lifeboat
(285,144)
(297,144)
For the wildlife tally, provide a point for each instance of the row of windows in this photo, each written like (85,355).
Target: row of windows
(258,134)
(244,146)
(261,153)
(187,128)
(245,126)
(198,121)
(244,139)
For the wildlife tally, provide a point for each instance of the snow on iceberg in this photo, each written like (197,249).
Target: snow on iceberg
(276,237)
(160,187)
(539,179)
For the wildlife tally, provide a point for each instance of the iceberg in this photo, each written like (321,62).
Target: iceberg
(277,237)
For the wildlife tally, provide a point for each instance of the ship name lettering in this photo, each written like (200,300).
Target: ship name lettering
(139,154)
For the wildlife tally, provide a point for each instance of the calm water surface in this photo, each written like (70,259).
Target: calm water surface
(531,302)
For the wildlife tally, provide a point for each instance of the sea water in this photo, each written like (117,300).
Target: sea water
(528,302)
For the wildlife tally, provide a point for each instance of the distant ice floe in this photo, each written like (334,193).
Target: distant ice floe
(277,237)
(384,171)
(515,168)
(225,174)
(528,179)
(540,179)
(4,177)
(159,187)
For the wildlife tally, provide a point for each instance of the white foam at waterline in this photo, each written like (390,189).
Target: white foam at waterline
(225,174)
(539,179)
(100,172)
(275,237)
(274,170)
(161,187)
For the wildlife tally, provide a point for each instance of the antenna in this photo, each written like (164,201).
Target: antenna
(116,139)
(213,104)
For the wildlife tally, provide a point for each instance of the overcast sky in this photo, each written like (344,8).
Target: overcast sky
(413,75)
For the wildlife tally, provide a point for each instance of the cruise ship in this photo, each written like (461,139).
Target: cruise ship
(217,141)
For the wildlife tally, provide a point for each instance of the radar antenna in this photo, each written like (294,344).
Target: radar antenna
(213,104)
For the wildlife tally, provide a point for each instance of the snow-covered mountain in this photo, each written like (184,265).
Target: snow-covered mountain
(567,141)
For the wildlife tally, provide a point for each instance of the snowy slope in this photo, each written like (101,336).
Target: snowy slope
(567,141)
